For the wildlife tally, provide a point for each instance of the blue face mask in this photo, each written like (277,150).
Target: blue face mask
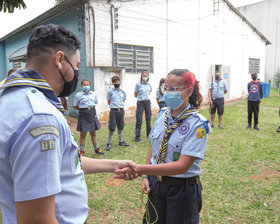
(173,99)
(86,88)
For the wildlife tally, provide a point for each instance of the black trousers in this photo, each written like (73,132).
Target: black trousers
(141,106)
(253,107)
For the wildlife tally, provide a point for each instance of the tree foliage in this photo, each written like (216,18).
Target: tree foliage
(10,5)
(58,1)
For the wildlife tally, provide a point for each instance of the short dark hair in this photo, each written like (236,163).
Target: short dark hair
(49,39)
(115,78)
(85,80)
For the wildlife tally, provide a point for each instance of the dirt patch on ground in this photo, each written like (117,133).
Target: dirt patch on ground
(265,175)
(115,182)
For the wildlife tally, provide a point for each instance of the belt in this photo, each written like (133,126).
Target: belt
(116,108)
(178,181)
(88,108)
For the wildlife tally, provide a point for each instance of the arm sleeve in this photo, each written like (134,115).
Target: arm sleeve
(196,142)
(36,160)
(95,98)
(108,95)
(136,88)
(124,96)
(76,101)
(225,87)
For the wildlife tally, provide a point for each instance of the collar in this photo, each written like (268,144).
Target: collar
(189,107)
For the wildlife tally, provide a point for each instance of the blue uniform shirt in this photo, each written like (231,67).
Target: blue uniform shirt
(85,100)
(38,157)
(190,138)
(143,91)
(117,97)
(159,96)
(219,87)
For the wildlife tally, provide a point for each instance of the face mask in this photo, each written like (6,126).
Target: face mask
(254,78)
(117,85)
(86,88)
(173,99)
(145,79)
(217,77)
(69,87)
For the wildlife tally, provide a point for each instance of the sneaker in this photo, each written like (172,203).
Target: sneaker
(123,143)
(99,152)
(108,147)
(82,152)
(138,140)
(278,130)
(212,125)
(256,127)
(221,126)
(248,126)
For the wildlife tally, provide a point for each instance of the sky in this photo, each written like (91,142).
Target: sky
(11,21)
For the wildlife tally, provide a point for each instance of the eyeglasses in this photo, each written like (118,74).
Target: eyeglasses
(171,88)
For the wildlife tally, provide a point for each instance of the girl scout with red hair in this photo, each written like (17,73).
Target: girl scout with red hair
(178,142)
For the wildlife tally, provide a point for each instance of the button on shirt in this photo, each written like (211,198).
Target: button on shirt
(219,87)
(184,140)
(117,97)
(143,91)
(85,100)
(159,96)
(38,157)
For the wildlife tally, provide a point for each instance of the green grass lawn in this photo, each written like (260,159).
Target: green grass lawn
(240,173)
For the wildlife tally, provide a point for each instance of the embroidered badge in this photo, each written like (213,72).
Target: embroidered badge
(47,145)
(77,159)
(184,127)
(200,133)
(45,129)
(176,156)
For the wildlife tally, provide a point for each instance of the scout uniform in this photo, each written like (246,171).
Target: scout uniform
(117,98)
(38,155)
(219,88)
(143,91)
(87,120)
(178,197)
(160,99)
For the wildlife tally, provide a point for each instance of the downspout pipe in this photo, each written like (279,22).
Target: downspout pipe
(93,36)
(112,9)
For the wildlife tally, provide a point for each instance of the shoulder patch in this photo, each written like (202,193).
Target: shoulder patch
(47,145)
(200,133)
(45,129)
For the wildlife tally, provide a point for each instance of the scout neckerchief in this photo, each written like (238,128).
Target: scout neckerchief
(169,131)
(29,77)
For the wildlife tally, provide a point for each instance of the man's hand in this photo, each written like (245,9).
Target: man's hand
(210,103)
(126,169)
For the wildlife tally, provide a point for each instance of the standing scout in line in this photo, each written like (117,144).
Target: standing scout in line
(216,99)
(142,93)
(255,91)
(116,97)
(85,102)
(159,94)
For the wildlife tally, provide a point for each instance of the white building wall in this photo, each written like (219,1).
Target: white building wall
(183,34)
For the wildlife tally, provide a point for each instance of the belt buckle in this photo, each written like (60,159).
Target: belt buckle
(88,108)
(197,180)
(159,178)
(119,108)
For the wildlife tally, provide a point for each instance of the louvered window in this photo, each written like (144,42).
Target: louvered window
(254,65)
(133,58)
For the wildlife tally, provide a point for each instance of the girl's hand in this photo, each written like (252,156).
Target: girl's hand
(145,186)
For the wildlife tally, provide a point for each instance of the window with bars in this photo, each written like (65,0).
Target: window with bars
(254,65)
(16,64)
(133,58)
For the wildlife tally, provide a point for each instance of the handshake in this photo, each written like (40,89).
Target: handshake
(127,170)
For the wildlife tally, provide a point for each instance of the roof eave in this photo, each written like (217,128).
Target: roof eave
(58,9)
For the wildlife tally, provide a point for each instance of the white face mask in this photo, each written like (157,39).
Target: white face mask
(145,79)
